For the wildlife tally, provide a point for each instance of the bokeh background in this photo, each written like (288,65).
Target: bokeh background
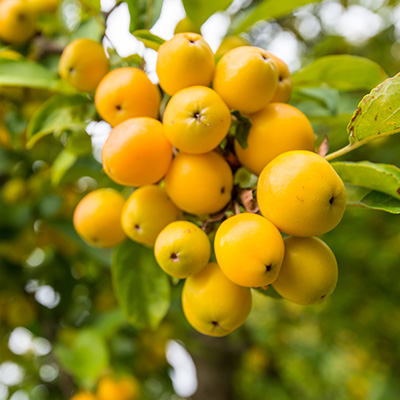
(60,325)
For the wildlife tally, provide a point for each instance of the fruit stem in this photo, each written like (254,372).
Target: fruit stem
(352,146)
(344,150)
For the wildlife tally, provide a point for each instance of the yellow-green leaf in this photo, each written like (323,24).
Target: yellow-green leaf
(200,10)
(26,74)
(378,113)
(341,72)
(381,177)
(142,288)
(58,114)
(265,10)
(148,39)
(358,196)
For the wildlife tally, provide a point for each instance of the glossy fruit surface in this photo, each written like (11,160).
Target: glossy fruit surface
(146,212)
(301,193)
(182,249)
(285,84)
(97,218)
(213,304)
(309,271)
(126,93)
(17,21)
(137,152)
(183,61)
(196,120)
(277,128)
(199,183)
(246,78)
(83,64)
(249,250)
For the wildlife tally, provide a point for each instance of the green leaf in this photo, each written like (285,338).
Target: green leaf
(141,287)
(354,194)
(49,205)
(15,122)
(102,256)
(92,5)
(116,61)
(64,161)
(144,13)
(26,74)
(87,358)
(148,39)
(358,196)
(265,10)
(108,324)
(133,60)
(200,10)
(90,29)
(341,72)
(270,291)
(79,144)
(381,177)
(58,114)
(6,161)
(382,202)
(327,97)
(241,128)
(378,113)
(245,179)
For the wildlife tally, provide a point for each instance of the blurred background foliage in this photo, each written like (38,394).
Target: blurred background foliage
(60,326)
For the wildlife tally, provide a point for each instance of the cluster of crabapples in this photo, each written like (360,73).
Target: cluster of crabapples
(181,175)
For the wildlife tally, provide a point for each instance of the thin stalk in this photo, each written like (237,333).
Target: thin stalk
(345,150)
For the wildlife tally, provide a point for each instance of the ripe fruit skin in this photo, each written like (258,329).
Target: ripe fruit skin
(249,250)
(182,249)
(137,152)
(196,120)
(183,61)
(309,271)
(199,183)
(83,396)
(285,84)
(97,218)
(146,212)
(277,128)
(246,78)
(213,304)
(126,93)
(83,64)
(301,194)
(17,21)
(124,388)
